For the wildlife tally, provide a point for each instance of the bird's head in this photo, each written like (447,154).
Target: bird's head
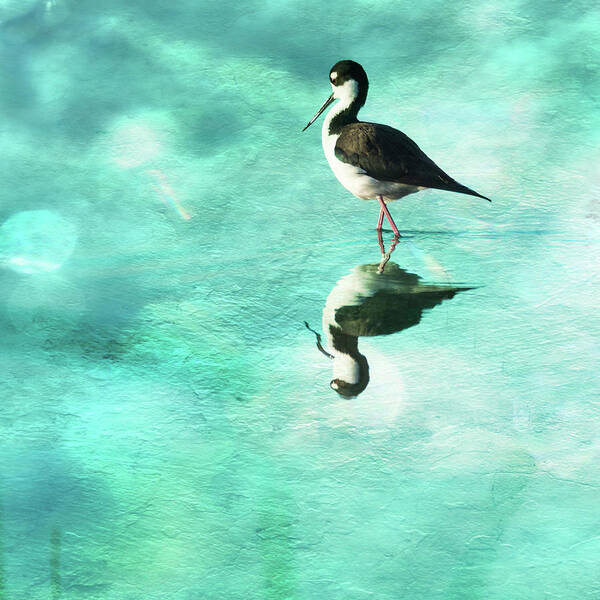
(349,83)
(348,80)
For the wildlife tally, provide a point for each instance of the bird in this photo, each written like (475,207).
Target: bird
(371,160)
(368,302)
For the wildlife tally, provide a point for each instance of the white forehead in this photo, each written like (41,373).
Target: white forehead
(333,75)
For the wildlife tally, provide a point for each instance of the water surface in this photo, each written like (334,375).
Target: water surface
(168,427)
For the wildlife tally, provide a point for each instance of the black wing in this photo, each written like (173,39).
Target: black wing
(387,154)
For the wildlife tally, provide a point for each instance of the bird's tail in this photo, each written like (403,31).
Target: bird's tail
(443,181)
(463,189)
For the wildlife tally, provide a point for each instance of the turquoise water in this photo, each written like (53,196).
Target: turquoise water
(168,427)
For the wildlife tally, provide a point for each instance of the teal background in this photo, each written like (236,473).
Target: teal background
(167,427)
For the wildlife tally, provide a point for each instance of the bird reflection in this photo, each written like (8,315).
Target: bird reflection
(373,299)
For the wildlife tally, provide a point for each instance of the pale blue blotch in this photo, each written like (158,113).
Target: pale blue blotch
(36,241)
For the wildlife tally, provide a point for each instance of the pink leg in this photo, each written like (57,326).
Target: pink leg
(385,210)
(380,222)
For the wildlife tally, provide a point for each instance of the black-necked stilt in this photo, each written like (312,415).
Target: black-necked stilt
(370,160)
(367,302)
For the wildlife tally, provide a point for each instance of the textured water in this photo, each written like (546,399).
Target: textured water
(168,428)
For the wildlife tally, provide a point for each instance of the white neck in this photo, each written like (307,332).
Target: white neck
(345,94)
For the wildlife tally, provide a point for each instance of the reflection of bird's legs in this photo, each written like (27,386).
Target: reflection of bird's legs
(380,240)
(385,256)
(393,245)
(385,210)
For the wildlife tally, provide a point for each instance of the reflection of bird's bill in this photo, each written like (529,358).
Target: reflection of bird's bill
(319,344)
(325,105)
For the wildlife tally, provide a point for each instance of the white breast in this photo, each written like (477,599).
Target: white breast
(354,179)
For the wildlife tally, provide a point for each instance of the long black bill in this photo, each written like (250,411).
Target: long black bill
(325,105)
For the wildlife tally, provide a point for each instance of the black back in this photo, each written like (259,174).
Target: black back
(387,154)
